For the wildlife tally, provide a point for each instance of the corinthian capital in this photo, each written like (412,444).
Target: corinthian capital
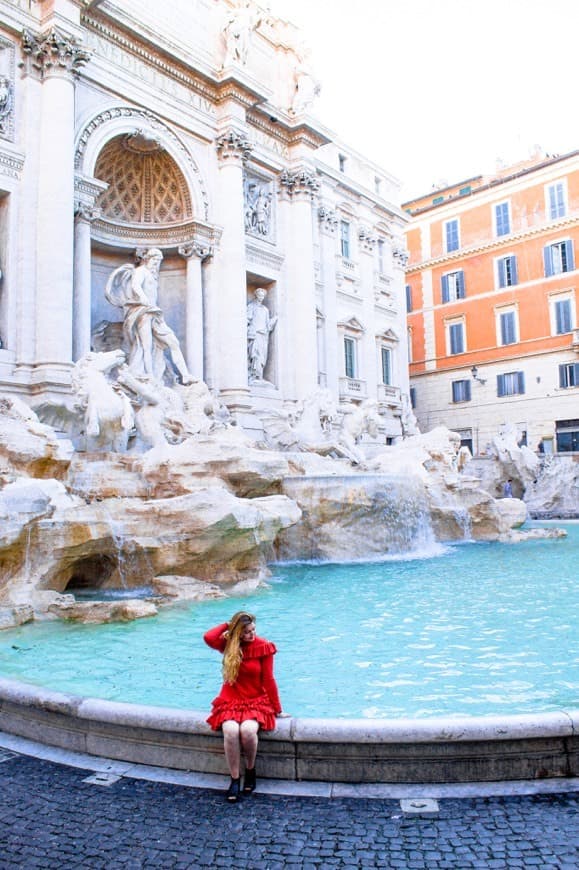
(233,145)
(299,183)
(328,219)
(54,52)
(196,249)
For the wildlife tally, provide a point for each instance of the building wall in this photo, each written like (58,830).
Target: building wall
(537,345)
(218,130)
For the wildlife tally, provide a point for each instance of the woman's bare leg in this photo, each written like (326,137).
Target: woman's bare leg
(248,733)
(231,746)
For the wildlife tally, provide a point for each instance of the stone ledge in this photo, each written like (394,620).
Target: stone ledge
(442,750)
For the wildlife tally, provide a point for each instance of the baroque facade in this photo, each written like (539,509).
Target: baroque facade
(492,288)
(187,129)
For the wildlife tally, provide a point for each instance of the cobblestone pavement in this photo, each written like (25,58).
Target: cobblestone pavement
(50,818)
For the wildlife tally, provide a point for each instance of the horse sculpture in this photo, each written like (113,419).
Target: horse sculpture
(107,412)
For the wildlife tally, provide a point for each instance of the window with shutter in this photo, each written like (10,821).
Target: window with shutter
(569,375)
(461,391)
(556,197)
(451,236)
(511,384)
(508,326)
(563,316)
(502,219)
(456,338)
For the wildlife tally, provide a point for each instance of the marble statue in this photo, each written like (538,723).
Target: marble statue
(363,419)
(107,411)
(135,290)
(260,324)
(306,86)
(241,23)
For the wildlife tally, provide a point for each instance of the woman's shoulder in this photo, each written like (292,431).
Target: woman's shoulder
(258,648)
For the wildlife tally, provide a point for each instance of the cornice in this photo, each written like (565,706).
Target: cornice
(11,164)
(498,244)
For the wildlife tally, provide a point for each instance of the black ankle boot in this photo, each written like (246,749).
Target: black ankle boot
(250,781)
(233,791)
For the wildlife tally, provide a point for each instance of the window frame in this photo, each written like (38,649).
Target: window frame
(350,341)
(519,387)
(501,271)
(564,371)
(459,289)
(386,353)
(554,300)
(345,239)
(566,254)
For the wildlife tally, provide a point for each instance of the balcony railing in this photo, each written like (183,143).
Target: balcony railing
(388,395)
(353,388)
(575,340)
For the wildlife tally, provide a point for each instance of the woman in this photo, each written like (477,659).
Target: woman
(248,699)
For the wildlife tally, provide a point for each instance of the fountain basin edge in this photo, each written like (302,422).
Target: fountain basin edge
(437,750)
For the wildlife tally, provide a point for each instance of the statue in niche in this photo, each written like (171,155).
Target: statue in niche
(306,86)
(241,23)
(135,289)
(257,208)
(260,324)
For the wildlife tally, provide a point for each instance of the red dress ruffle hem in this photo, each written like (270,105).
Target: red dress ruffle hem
(254,694)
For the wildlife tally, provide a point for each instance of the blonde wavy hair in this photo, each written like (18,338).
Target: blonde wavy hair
(232,654)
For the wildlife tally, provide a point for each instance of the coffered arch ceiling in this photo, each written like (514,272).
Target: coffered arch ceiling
(146,186)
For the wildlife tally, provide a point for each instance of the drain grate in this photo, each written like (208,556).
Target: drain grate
(6,755)
(105,779)
(424,808)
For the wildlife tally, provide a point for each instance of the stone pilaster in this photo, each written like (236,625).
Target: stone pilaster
(298,304)
(194,254)
(227,313)
(328,223)
(367,345)
(55,59)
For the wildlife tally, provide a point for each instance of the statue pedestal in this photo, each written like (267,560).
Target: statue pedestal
(264,396)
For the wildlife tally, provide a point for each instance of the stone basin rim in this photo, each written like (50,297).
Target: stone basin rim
(445,729)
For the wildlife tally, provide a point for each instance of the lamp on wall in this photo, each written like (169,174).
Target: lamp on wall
(475,375)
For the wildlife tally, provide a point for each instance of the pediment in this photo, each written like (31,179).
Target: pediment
(352,325)
(387,335)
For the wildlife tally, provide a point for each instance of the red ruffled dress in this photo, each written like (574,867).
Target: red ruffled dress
(254,694)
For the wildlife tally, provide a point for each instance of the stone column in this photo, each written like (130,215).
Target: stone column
(328,221)
(84,215)
(194,255)
(56,59)
(229,348)
(298,312)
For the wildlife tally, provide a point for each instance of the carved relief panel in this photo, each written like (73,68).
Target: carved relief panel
(7,62)
(258,204)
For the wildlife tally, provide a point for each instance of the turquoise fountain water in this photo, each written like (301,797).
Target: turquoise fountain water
(477,629)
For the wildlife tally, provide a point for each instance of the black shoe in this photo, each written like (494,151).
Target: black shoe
(250,781)
(233,791)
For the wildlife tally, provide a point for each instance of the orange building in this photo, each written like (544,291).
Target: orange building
(492,305)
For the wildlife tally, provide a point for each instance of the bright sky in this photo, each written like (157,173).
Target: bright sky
(438,90)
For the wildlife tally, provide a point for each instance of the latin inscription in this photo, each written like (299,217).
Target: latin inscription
(144,71)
